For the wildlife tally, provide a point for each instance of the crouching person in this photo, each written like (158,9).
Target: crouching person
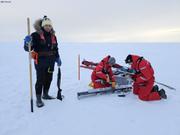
(144,79)
(45,53)
(102,75)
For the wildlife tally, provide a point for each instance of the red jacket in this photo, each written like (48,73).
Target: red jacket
(103,69)
(144,68)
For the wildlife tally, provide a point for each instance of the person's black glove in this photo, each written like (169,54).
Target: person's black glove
(134,79)
(137,72)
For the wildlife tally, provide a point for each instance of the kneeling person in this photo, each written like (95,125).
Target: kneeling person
(144,79)
(102,75)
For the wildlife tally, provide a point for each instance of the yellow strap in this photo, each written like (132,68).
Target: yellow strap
(49,70)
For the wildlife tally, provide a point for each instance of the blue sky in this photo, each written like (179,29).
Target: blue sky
(95,20)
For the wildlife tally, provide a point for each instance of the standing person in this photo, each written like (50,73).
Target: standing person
(102,76)
(144,79)
(45,53)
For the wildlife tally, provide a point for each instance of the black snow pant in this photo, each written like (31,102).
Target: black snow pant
(44,75)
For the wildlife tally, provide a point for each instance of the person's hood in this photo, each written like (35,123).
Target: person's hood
(38,28)
(135,58)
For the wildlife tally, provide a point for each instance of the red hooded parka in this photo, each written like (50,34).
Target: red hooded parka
(101,72)
(144,79)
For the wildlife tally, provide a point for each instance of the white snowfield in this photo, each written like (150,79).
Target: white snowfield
(100,115)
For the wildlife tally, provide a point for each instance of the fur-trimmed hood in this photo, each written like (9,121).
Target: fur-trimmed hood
(38,28)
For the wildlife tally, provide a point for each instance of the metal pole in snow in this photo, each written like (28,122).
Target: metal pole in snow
(79,67)
(30,68)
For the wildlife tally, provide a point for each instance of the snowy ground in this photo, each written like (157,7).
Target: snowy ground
(102,115)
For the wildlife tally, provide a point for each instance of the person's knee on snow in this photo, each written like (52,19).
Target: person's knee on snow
(135,89)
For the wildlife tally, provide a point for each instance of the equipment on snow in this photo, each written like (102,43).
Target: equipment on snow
(123,83)
(59,95)
(108,90)
(165,85)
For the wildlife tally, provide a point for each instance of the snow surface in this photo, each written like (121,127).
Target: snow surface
(101,115)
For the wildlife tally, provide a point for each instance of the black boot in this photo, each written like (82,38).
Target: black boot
(39,102)
(155,88)
(46,96)
(162,94)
